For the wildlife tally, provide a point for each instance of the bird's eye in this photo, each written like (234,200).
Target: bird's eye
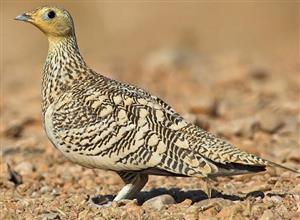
(51,14)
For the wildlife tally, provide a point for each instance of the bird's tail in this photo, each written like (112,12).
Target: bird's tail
(272,164)
(233,168)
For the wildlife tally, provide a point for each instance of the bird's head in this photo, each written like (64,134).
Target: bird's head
(53,21)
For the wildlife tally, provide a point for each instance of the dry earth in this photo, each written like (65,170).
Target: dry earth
(252,102)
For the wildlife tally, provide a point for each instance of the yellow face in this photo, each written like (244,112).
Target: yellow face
(53,21)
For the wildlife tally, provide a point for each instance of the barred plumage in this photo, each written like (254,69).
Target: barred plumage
(101,123)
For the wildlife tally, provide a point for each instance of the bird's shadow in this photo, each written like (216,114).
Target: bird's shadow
(179,195)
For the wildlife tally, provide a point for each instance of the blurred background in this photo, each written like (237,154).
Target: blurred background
(232,68)
(122,36)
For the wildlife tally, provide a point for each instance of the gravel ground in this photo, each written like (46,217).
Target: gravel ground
(256,108)
(251,99)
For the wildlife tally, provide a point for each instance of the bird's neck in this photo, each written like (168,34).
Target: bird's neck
(64,65)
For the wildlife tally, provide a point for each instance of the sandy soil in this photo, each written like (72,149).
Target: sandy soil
(251,99)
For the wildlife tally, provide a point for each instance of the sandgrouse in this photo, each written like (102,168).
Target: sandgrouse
(101,123)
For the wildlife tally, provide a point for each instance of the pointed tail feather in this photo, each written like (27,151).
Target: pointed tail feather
(272,164)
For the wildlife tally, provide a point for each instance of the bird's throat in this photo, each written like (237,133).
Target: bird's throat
(64,65)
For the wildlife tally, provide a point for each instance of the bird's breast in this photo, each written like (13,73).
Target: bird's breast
(68,142)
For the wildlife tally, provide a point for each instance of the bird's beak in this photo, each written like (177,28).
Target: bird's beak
(24,17)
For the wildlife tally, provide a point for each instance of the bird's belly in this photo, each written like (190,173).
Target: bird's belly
(98,162)
(101,162)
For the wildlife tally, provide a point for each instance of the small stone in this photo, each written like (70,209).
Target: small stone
(83,214)
(203,216)
(44,189)
(259,74)
(14,131)
(209,203)
(211,211)
(226,213)
(50,216)
(268,215)
(55,192)
(15,128)
(255,188)
(25,168)
(35,195)
(269,123)
(207,107)
(159,201)
(276,199)
(297,198)
(229,212)
(204,106)
(126,202)
(294,155)
(186,202)
(230,189)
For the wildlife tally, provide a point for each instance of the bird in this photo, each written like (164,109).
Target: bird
(101,123)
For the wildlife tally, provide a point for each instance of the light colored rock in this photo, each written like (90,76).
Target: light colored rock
(35,195)
(203,106)
(276,199)
(239,127)
(268,215)
(50,216)
(230,189)
(255,187)
(226,213)
(168,59)
(25,168)
(209,203)
(270,123)
(159,201)
(44,189)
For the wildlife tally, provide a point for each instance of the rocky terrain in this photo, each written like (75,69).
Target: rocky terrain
(252,102)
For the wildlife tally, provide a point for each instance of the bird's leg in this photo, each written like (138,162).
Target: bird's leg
(208,188)
(134,183)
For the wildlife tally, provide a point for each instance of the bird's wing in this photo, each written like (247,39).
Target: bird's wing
(205,143)
(128,127)
(133,130)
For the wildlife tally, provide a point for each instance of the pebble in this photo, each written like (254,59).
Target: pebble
(55,192)
(25,168)
(276,199)
(270,123)
(259,74)
(255,188)
(50,216)
(44,189)
(204,106)
(208,203)
(126,202)
(226,213)
(14,131)
(35,195)
(230,189)
(268,215)
(158,202)
(239,127)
